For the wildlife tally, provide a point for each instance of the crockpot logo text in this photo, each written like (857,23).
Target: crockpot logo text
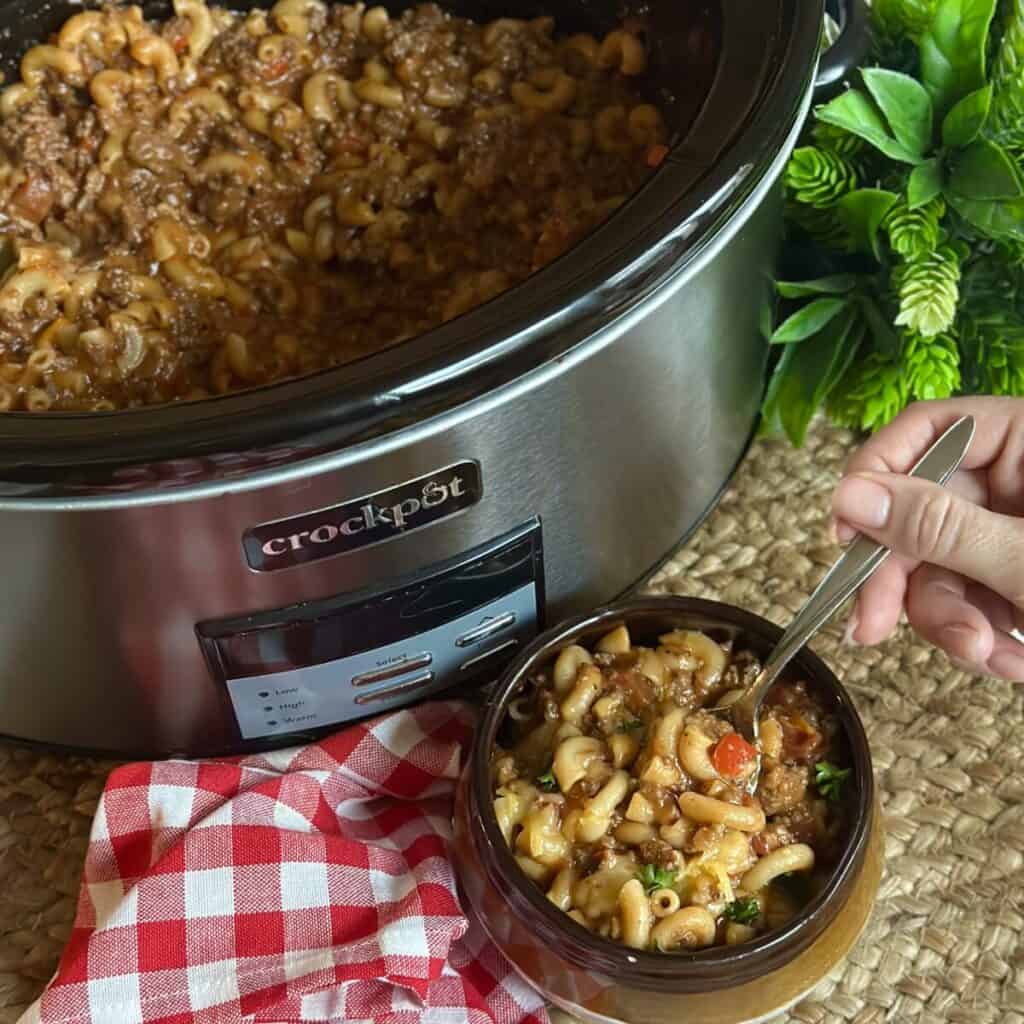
(371,516)
(363,521)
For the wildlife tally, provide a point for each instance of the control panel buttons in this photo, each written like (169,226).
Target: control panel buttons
(416,683)
(487,628)
(316,665)
(396,668)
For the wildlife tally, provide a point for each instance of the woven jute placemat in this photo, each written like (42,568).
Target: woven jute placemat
(946,941)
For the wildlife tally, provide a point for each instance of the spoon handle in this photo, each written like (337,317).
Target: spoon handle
(863,556)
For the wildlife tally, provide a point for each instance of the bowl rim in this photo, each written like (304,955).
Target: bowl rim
(718,966)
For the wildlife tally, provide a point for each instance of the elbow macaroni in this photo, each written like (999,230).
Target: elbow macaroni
(589,684)
(694,754)
(157,53)
(42,59)
(635,914)
(799,857)
(707,810)
(648,849)
(622,50)
(295,17)
(327,139)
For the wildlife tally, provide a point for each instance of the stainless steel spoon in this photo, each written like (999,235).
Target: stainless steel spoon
(853,568)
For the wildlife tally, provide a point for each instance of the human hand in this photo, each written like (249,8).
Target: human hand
(958,551)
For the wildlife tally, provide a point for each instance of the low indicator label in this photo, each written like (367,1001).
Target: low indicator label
(363,521)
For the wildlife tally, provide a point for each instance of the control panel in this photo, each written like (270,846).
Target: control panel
(322,663)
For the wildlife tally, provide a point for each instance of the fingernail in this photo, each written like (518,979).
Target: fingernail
(1008,665)
(862,502)
(964,640)
(845,532)
(851,627)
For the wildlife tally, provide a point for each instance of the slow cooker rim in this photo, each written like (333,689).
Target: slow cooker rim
(714,968)
(55,445)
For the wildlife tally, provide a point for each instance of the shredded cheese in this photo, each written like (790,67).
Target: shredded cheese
(707,865)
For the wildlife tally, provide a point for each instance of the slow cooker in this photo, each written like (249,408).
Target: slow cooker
(247,571)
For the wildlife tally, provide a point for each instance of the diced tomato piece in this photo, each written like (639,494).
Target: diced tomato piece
(656,154)
(732,754)
(180,44)
(276,69)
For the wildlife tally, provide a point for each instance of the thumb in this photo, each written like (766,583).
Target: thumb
(927,523)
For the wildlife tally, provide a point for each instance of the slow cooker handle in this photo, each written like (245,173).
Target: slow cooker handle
(848,51)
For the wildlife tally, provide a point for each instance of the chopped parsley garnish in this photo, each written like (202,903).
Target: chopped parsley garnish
(632,725)
(743,911)
(548,782)
(654,878)
(829,779)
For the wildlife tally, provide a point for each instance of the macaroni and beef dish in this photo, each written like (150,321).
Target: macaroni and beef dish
(627,802)
(222,200)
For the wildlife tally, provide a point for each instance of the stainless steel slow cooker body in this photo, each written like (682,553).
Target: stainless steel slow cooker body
(251,570)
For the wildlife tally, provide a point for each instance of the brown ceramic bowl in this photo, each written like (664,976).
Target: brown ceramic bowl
(603,981)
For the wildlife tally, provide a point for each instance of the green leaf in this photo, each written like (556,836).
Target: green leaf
(829,779)
(862,213)
(884,335)
(655,878)
(953,50)
(771,422)
(893,19)
(984,171)
(854,112)
(808,320)
(963,124)
(906,106)
(744,910)
(870,394)
(812,370)
(837,284)
(548,782)
(925,183)
(770,425)
(998,219)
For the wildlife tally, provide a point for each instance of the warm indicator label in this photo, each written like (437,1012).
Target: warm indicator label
(363,521)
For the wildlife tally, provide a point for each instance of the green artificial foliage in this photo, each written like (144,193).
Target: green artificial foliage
(898,18)
(932,366)
(1006,119)
(870,395)
(906,196)
(914,233)
(994,344)
(836,140)
(896,25)
(819,178)
(820,225)
(929,290)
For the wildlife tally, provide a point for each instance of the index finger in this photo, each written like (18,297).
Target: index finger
(898,446)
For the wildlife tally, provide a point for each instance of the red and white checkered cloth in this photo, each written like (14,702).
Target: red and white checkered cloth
(312,884)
